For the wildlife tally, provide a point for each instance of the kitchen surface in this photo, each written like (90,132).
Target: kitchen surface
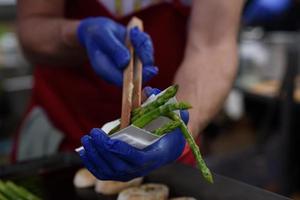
(249,148)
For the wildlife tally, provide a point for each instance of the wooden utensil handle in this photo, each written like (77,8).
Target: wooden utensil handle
(132,78)
(138,70)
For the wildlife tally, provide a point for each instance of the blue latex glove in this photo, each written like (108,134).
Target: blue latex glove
(262,11)
(104,41)
(111,159)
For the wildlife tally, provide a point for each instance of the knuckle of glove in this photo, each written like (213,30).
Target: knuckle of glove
(184,114)
(145,47)
(90,27)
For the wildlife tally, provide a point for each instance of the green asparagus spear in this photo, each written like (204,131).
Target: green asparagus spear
(161,100)
(195,149)
(115,129)
(8,193)
(160,111)
(168,127)
(20,191)
(3,197)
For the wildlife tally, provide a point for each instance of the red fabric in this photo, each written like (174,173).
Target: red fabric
(76,100)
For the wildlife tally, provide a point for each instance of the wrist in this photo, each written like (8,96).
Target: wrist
(69,34)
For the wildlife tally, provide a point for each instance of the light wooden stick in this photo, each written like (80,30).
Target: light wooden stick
(132,79)
(138,70)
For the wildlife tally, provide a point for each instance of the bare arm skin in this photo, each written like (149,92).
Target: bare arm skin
(210,62)
(46,37)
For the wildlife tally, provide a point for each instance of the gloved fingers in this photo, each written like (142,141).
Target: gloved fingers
(119,148)
(119,165)
(184,114)
(120,32)
(149,72)
(262,11)
(82,30)
(95,158)
(103,65)
(88,164)
(140,172)
(148,91)
(99,175)
(113,47)
(125,151)
(126,166)
(156,155)
(143,46)
(171,145)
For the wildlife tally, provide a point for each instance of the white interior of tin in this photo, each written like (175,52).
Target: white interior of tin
(138,138)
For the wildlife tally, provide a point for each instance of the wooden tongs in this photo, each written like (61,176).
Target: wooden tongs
(132,78)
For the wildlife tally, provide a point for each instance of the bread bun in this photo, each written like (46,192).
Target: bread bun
(83,179)
(183,198)
(114,187)
(149,191)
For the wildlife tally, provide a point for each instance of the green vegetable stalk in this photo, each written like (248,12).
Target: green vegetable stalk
(155,113)
(115,129)
(141,111)
(20,191)
(168,127)
(3,197)
(11,191)
(195,149)
(161,100)
(160,111)
(7,192)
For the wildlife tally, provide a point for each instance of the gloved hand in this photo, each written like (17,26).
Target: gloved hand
(104,41)
(111,159)
(262,11)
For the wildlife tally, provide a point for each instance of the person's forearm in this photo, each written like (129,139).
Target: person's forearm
(205,78)
(50,41)
(209,66)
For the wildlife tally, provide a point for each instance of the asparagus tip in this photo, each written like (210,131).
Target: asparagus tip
(176,86)
(209,177)
(185,105)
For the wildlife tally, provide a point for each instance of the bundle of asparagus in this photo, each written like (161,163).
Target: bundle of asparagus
(11,191)
(142,116)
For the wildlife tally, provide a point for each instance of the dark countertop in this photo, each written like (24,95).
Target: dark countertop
(52,178)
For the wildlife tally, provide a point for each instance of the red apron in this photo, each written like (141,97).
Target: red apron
(76,99)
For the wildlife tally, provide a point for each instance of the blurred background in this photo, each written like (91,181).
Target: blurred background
(253,139)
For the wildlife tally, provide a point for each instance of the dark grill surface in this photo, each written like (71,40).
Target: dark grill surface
(52,179)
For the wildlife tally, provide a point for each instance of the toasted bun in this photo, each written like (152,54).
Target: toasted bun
(83,178)
(114,187)
(183,198)
(145,192)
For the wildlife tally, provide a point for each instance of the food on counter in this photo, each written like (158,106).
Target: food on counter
(144,115)
(134,193)
(160,191)
(11,191)
(183,198)
(83,178)
(114,187)
(150,191)
(2,197)
(168,127)
(132,190)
